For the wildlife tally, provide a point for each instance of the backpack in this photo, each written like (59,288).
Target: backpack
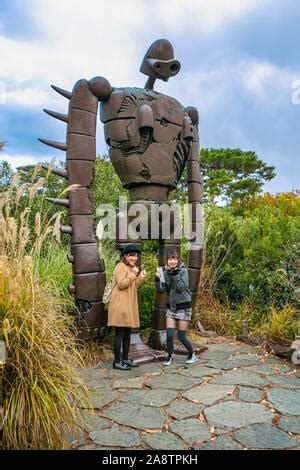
(108,292)
(109,289)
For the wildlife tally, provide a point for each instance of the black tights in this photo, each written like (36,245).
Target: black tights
(122,338)
(182,338)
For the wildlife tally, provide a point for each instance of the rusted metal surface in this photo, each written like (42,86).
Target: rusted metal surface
(85,258)
(151,139)
(195,258)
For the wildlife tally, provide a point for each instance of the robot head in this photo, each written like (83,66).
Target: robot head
(159,61)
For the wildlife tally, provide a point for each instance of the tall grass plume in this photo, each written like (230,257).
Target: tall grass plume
(42,391)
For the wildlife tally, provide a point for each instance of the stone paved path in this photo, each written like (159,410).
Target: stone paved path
(235,397)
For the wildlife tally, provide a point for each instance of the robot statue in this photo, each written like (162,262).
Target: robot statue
(151,139)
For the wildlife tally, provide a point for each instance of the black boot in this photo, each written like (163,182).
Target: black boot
(131,363)
(121,366)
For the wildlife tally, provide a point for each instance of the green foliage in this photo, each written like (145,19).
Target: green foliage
(233,174)
(6,173)
(53,269)
(263,248)
(110,256)
(251,256)
(252,244)
(229,174)
(148,292)
(107,186)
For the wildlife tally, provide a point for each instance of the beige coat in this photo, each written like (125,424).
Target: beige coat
(123,306)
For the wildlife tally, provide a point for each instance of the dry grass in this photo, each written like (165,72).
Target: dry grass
(95,352)
(211,314)
(209,311)
(278,325)
(41,388)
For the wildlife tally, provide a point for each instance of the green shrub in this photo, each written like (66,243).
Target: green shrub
(254,254)
(53,269)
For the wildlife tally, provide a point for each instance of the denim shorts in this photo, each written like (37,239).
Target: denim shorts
(182,314)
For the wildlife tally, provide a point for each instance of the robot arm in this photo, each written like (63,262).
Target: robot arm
(195,192)
(101,88)
(80,147)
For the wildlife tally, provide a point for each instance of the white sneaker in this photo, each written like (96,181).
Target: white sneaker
(192,359)
(168,361)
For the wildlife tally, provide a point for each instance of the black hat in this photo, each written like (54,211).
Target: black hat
(130,249)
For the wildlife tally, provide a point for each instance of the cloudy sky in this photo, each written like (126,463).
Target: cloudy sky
(240,62)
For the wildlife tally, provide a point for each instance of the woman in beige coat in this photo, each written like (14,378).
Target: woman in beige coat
(123,311)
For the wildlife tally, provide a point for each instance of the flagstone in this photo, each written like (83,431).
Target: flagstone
(238,361)
(100,398)
(136,416)
(118,435)
(93,373)
(220,443)
(99,384)
(191,430)
(173,381)
(91,421)
(164,441)
(156,398)
(160,407)
(241,377)
(290,424)
(234,415)
(264,437)
(285,381)
(268,369)
(285,401)
(203,371)
(180,409)
(250,394)
(216,355)
(135,382)
(209,394)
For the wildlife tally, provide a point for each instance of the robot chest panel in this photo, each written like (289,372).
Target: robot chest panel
(129,110)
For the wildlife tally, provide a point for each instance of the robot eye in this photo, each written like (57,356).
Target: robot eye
(174,67)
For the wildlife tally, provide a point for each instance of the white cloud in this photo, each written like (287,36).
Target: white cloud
(29,97)
(20,159)
(257,75)
(259,83)
(201,15)
(267,82)
(77,40)
(99,37)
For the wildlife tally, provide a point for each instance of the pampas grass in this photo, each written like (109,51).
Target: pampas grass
(42,391)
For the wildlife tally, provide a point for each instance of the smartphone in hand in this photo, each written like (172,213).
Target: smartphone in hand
(161,271)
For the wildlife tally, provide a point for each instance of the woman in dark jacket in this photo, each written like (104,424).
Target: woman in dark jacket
(174,280)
